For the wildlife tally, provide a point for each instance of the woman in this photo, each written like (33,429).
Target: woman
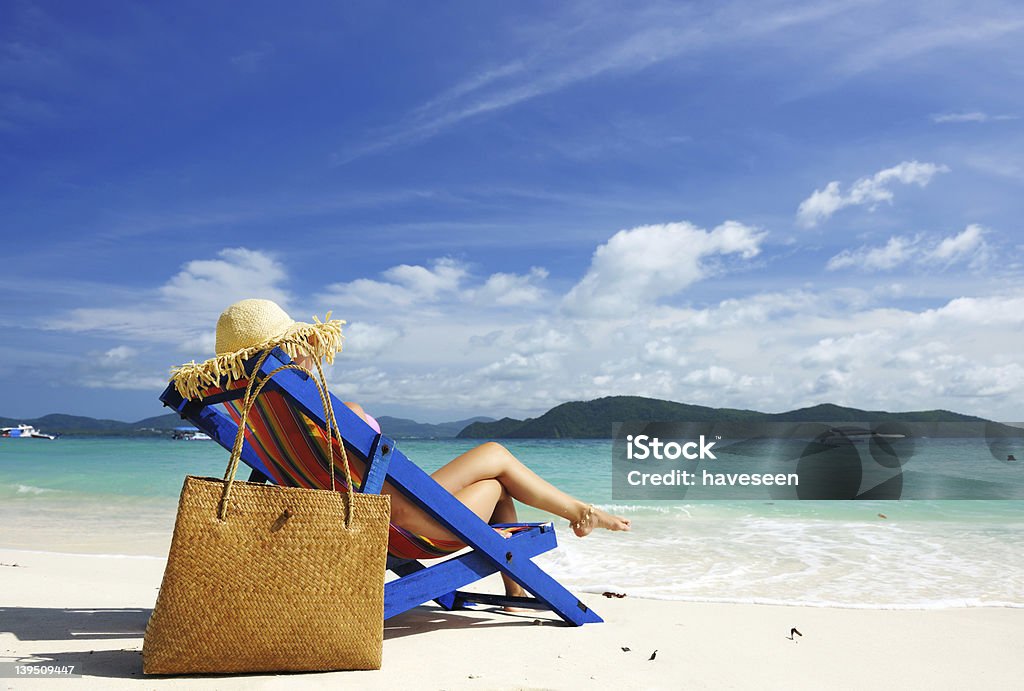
(486,479)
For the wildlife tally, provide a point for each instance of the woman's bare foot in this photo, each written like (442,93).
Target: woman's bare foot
(513,589)
(593,517)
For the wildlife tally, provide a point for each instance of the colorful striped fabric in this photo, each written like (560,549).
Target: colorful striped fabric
(292,447)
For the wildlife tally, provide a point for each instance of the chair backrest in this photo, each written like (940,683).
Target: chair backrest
(290,445)
(292,448)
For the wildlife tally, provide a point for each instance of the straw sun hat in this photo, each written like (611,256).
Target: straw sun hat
(249,327)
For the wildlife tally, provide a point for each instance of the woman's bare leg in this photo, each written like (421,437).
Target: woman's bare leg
(505,512)
(478,477)
(494,461)
(486,498)
(486,479)
(481,498)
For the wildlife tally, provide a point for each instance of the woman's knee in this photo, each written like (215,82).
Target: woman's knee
(493,447)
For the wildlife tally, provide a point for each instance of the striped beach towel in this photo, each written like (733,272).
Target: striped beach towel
(292,447)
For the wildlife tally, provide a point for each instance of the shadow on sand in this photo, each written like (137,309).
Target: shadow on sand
(128,626)
(81,624)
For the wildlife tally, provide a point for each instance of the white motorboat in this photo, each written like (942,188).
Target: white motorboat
(24,432)
(189,434)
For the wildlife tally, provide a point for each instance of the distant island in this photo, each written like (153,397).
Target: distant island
(401,428)
(594,419)
(164,426)
(573,420)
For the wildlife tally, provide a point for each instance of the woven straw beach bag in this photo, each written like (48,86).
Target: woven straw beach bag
(262,578)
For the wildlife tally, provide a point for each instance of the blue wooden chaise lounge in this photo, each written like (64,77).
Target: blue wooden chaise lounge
(284,444)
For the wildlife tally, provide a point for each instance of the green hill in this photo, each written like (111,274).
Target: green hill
(80,425)
(167,421)
(77,425)
(403,428)
(594,419)
(574,420)
(492,430)
(828,412)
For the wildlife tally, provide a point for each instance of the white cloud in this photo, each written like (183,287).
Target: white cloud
(978,311)
(445,281)
(957,247)
(770,351)
(537,337)
(120,368)
(428,283)
(638,267)
(517,367)
(662,352)
(124,380)
(715,376)
(365,340)
(979,380)
(895,252)
(186,307)
(202,342)
(967,246)
(404,285)
(118,354)
(512,289)
(239,273)
(870,191)
(971,116)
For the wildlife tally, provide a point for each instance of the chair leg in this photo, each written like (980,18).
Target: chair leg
(407,567)
(440,580)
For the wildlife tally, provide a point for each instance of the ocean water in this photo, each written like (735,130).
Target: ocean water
(119,496)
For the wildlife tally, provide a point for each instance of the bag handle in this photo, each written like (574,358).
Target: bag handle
(247,403)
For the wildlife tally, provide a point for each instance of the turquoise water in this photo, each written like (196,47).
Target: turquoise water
(118,496)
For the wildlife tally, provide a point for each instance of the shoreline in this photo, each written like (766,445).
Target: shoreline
(10,554)
(61,609)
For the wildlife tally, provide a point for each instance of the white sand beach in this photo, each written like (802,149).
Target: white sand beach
(90,611)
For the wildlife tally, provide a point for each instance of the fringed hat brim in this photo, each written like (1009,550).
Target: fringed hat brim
(319,340)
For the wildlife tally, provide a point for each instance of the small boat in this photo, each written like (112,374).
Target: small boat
(24,432)
(857,435)
(189,434)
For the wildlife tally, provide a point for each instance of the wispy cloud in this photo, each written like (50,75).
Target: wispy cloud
(19,112)
(934,31)
(970,116)
(894,253)
(251,60)
(967,246)
(564,54)
(869,190)
(581,46)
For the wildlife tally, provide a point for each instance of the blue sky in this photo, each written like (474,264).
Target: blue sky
(751,204)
